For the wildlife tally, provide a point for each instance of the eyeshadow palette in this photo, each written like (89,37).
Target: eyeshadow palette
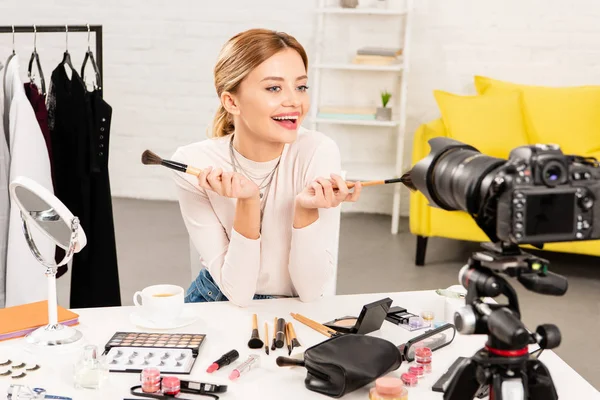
(170,361)
(147,346)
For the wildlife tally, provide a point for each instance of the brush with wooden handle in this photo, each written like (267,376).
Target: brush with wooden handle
(322,329)
(150,158)
(266,338)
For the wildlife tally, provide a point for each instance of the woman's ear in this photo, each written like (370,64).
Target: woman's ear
(230,103)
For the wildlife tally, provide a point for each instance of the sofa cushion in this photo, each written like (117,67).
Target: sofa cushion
(567,116)
(492,124)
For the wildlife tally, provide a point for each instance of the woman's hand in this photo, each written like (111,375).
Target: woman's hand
(321,193)
(227,184)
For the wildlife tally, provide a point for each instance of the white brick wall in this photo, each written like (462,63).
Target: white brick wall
(158,58)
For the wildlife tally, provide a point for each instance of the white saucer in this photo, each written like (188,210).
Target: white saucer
(187,317)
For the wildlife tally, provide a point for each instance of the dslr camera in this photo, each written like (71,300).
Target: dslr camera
(538,195)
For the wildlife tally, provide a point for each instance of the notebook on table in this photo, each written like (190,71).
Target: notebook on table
(20,320)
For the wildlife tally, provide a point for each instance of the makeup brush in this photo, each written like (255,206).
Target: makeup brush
(288,339)
(255,342)
(280,335)
(405,179)
(150,158)
(274,334)
(266,338)
(315,325)
(295,342)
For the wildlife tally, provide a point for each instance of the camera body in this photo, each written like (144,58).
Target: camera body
(546,196)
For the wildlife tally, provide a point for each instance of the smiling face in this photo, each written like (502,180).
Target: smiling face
(272,100)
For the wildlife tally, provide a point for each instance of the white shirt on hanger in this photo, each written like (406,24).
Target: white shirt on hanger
(25,278)
(4,197)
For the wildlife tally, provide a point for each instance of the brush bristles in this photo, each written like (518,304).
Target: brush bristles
(150,158)
(406,180)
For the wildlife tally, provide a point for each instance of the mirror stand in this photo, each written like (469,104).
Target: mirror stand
(53,334)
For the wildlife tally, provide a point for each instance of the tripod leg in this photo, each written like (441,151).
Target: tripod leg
(540,383)
(464,385)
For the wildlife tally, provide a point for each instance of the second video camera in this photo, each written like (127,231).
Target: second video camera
(538,195)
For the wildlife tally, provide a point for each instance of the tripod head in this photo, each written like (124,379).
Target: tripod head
(501,322)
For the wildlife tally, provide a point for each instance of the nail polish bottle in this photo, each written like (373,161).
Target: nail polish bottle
(90,371)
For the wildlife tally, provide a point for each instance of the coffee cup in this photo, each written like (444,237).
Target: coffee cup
(160,303)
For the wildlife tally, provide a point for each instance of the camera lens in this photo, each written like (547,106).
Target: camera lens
(553,173)
(452,173)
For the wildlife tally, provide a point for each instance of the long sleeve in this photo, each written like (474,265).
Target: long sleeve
(313,250)
(25,279)
(233,261)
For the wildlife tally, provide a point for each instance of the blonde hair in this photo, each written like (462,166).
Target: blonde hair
(238,57)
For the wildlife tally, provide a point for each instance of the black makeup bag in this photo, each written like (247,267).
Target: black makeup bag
(345,363)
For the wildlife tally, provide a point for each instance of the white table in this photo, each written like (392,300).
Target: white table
(228,327)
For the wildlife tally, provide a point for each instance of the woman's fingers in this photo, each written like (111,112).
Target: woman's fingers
(236,185)
(226,183)
(342,189)
(202,182)
(319,193)
(352,197)
(214,180)
(327,191)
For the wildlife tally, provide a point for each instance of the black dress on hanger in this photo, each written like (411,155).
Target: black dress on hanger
(79,123)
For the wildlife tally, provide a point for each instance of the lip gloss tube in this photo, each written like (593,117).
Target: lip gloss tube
(252,361)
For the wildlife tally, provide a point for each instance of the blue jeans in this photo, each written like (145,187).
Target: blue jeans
(204,289)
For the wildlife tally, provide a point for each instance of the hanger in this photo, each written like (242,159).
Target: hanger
(36,57)
(67,57)
(10,57)
(90,56)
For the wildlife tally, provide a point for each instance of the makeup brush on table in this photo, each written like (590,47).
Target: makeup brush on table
(266,338)
(255,342)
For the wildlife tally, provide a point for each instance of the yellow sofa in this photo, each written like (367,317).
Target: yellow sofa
(576,129)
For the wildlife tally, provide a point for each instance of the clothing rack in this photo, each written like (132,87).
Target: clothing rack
(66,29)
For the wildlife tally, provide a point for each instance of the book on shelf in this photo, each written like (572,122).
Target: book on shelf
(374,60)
(18,321)
(379,51)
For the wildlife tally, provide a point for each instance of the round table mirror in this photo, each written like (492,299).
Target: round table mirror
(40,209)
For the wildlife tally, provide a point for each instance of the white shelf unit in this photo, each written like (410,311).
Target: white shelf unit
(361,67)
(358,122)
(361,170)
(360,11)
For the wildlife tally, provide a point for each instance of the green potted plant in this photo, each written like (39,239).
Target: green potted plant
(384,113)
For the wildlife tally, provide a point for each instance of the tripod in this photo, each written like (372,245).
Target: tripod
(504,366)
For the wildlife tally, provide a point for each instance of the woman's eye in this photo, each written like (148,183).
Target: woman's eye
(274,89)
(303,88)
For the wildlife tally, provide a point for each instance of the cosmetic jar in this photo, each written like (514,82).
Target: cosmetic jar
(409,380)
(423,358)
(171,385)
(150,380)
(416,370)
(428,317)
(388,388)
(415,323)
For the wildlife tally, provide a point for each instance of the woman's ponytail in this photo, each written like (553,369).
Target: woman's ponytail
(222,124)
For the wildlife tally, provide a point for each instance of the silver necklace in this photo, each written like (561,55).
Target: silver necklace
(264,184)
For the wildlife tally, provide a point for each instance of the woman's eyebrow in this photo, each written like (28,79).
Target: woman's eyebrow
(278,78)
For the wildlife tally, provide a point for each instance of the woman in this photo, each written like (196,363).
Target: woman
(263,212)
